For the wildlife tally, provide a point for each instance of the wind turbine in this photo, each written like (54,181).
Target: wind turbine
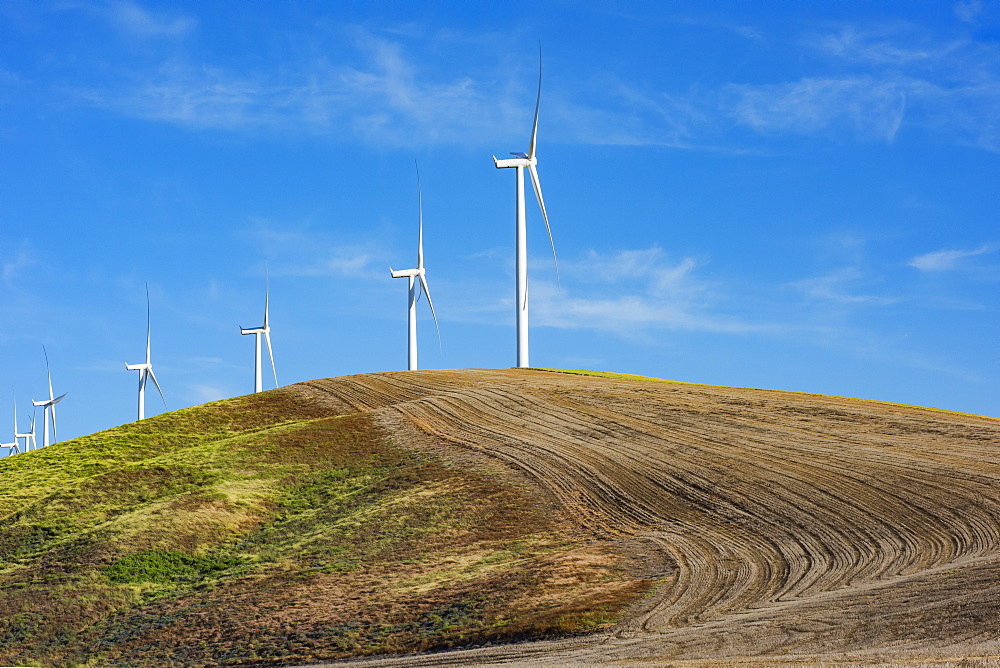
(519,162)
(29,437)
(48,406)
(417,282)
(265,329)
(11,447)
(146,370)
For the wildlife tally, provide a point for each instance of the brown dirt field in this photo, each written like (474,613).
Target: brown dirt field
(782,528)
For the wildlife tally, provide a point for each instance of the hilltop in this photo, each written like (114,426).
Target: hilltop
(409,511)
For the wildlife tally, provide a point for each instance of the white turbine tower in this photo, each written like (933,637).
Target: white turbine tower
(417,282)
(519,162)
(265,329)
(146,370)
(48,407)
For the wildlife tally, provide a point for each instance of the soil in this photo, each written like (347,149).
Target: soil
(780,528)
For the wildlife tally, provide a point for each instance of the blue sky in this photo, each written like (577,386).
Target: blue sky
(778,195)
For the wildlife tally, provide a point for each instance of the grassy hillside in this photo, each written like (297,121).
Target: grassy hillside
(274,527)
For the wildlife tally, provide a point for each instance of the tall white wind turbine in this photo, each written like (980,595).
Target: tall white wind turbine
(265,329)
(145,370)
(48,407)
(417,282)
(519,162)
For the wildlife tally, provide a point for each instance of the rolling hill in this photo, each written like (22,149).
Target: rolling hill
(609,518)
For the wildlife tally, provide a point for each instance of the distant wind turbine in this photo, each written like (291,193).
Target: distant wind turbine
(29,437)
(417,282)
(265,329)
(519,162)
(12,448)
(48,407)
(146,370)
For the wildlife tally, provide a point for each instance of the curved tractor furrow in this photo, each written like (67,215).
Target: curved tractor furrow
(746,567)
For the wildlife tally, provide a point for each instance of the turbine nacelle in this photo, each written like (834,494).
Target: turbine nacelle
(254,330)
(47,402)
(521,160)
(407,273)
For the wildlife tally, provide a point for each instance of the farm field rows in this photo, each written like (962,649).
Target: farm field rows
(778,527)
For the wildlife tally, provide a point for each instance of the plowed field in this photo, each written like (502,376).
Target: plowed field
(781,528)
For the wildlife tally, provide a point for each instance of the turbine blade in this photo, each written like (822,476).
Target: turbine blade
(427,291)
(420,227)
(15,418)
(52,415)
(536,184)
(267,340)
(153,376)
(538,100)
(267,291)
(48,372)
(147,323)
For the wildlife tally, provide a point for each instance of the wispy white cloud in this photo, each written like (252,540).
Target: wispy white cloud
(137,21)
(649,266)
(299,251)
(23,258)
(945,260)
(344,261)
(631,316)
(842,286)
(622,114)
(872,107)
(390,88)
(968,10)
(951,86)
(202,97)
(889,45)
(385,99)
(634,292)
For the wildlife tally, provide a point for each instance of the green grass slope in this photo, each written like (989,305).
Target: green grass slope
(266,529)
